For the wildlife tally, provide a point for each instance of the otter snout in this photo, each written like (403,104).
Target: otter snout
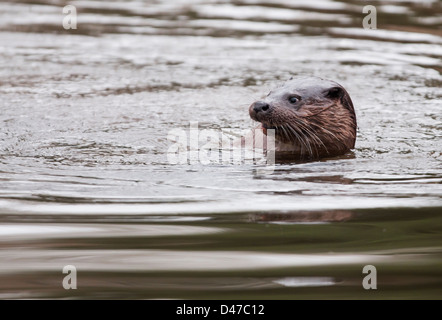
(260,106)
(258,109)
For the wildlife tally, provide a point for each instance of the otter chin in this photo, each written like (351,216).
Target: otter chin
(312,117)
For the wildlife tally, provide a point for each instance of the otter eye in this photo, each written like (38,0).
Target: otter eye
(293,99)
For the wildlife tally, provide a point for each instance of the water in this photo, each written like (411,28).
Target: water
(85,179)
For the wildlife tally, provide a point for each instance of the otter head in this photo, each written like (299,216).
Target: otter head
(312,117)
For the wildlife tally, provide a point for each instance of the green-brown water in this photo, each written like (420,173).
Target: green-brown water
(85,179)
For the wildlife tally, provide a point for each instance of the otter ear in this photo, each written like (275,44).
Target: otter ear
(334,93)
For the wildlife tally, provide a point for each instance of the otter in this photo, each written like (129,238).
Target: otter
(312,117)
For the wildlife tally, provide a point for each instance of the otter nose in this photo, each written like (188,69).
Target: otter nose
(260,106)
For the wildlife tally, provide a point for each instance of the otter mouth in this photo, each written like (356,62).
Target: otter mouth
(265,127)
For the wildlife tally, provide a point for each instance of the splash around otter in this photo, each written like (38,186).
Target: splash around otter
(312,117)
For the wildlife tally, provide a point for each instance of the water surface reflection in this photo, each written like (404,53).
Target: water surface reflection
(84,176)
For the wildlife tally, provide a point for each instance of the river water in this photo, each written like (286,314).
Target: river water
(85,179)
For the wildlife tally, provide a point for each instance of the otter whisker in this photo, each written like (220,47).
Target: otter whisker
(308,135)
(288,136)
(285,134)
(302,138)
(311,132)
(297,137)
(328,131)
